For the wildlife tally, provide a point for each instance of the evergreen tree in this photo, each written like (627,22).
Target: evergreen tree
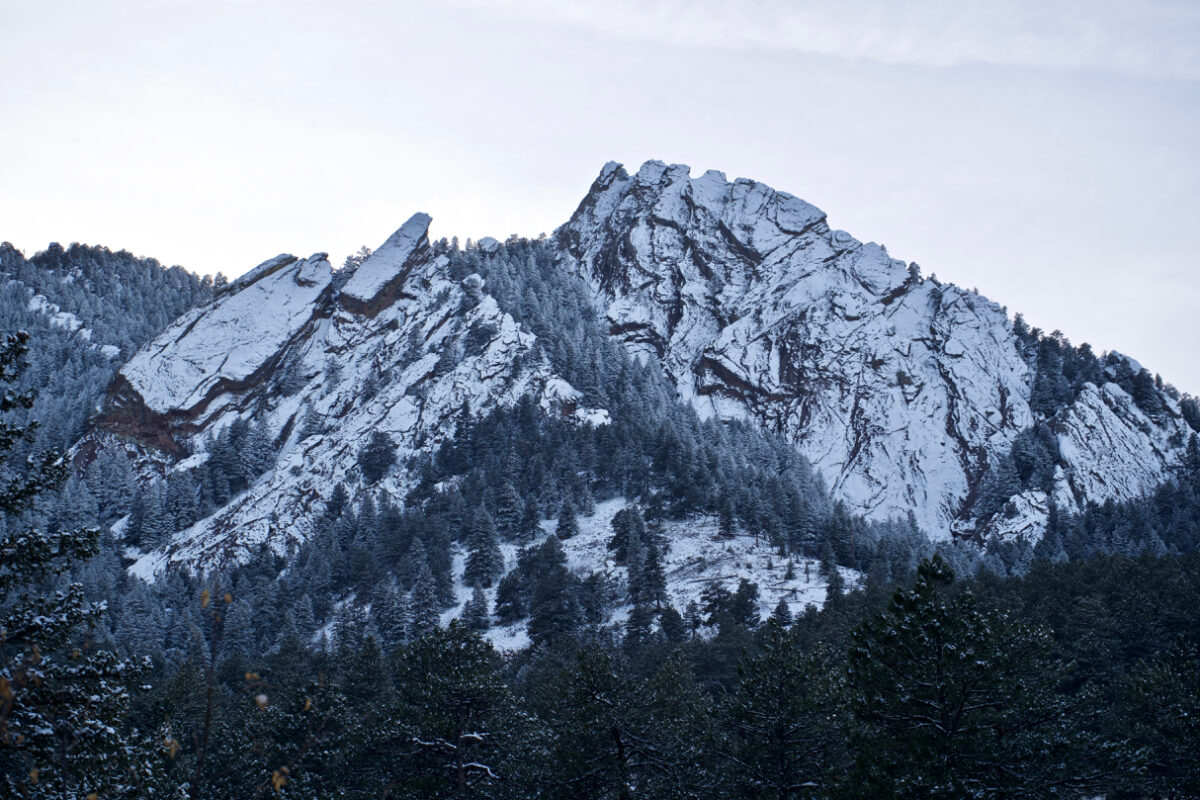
(555,612)
(782,615)
(511,599)
(627,524)
(61,703)
(426,608)
(785,723)
(257,452)
(377,456)
(673,625)
(338,502)
(510,507)
(1158,713)
(531,519)
(956,701)
(743,606)
(456,719)
(567,525)
(647,581)
(237,638)
(475,612)
(485,561)
(392,614)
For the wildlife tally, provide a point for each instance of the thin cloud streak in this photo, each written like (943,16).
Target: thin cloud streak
(1156,39)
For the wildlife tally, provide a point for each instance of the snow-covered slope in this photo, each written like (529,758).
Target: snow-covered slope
(697,557)
(899,389)
(220,346)
(286,346)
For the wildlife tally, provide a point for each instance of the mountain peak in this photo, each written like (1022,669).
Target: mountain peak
(377,280)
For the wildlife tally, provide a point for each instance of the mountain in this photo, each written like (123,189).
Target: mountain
(398,348)
(906,395)
(87,309)
(902,391)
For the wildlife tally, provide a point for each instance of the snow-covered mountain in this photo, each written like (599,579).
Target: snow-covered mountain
(902,391)
(399,349)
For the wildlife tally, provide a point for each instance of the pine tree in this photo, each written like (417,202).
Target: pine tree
(485,561)
(782,615)
(392,615)
(377,456)
(743,606)
(237,638)
(60,704)
(567,525)
(639,625)
(673,625)
(555,613)
(426,609)
(459,727)
(475,611)
(257,452)
(835,586)
(511,601)
(510,507)
(953,699)
(447,361)
(531,519)
(627,525)
(785,723)
(1158,713)
(338,502)
(647,581)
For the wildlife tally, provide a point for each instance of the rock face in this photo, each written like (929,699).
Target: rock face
(387,352)
(211,357)
(899,390)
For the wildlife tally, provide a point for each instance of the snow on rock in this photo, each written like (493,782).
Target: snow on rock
(40,304)
(354,373)
(390,262)
(562,398)
(696,558)
(226,342)
(1112,449)
(890,385)
(1023,517)
(901,391)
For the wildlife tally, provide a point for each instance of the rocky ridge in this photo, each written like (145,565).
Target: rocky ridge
(900,390)
(400,349)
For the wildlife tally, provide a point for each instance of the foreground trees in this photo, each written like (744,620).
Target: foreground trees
(784,727)
(62,702)
(940,694)
(955,701)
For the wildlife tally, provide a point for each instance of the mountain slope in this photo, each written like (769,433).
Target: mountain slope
(87,309)
(900,390)
(909,396)
(399,349)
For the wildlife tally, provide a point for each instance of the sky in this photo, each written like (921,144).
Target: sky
(1043,152)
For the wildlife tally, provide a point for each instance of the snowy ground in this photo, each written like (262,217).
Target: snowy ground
(696,558)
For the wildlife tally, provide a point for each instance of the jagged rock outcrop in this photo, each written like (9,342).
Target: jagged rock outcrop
(899,389)
(211,358)
(903,391)
(400,348)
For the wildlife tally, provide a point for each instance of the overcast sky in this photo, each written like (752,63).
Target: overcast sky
(1044,152)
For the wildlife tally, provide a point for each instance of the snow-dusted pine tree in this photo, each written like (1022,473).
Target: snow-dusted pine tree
(61,702)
